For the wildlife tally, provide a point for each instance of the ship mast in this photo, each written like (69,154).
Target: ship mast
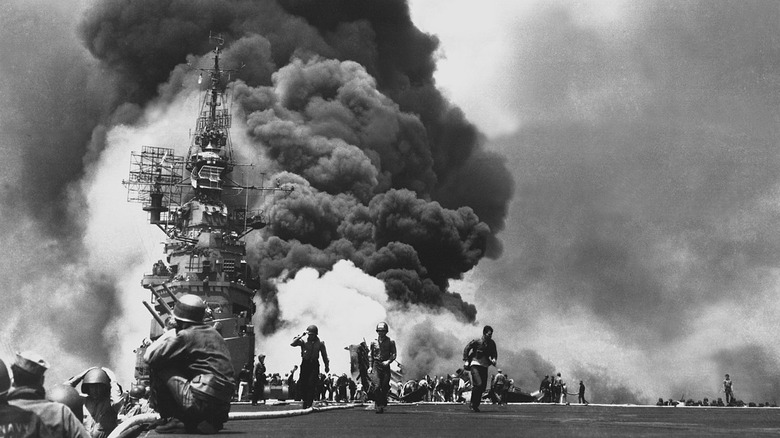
(210,158)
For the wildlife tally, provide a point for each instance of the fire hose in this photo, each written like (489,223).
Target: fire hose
(133,425)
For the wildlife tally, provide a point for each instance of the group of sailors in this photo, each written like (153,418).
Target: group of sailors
(27,409)
(330,387)
(728,391)
(192,382)
(191,385)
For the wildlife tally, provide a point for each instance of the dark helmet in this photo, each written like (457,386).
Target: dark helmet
(137,391)
(382,327)
(5,379)
(96,375)
(189,308)
(312,330)
(68,396)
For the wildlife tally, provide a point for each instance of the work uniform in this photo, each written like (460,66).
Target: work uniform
(382,350)
(16,422)
(728,388)
(479,353)
(311,349)
(100,418)
(582,394)
(557,386)
(259,385)
(58,418)
(192,376)
(500,388)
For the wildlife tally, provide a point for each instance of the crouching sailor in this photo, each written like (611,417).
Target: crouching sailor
(191,372)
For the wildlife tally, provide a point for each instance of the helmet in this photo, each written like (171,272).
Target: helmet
(68,396)
(312,330)
(5,379)
(382,327)
(137,391)
(189,308)
(96,375)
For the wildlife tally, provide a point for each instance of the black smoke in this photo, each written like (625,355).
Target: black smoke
(340,96)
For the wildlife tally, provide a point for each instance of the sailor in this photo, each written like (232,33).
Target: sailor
(258,391)
(728,388)
(478,355)
(341,388)
(311,349)
(462,384)
(294,394)
(191,372)
(244,380)
(500,387)
(447,386)
(544,388)
(557,387)
(103,400)
(582,394)
(136,403)
(14,421)
(382,353)
(28,393)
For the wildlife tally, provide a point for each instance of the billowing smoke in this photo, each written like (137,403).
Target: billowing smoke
(355,123)
(430,341)
(341,106)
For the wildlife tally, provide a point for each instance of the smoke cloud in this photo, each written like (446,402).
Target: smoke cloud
(426,338)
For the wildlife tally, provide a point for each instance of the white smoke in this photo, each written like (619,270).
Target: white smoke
(346,304)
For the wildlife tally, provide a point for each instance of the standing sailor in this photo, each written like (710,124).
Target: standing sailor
(258,392)
(582,394)
(311,349)
(728,388)
(192,372)
(383,353)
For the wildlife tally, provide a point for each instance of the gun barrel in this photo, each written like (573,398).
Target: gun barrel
(154,314)
(165,306)
(170,294)
(162,302)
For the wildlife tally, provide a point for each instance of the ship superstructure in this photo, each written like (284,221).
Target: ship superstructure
(204,250)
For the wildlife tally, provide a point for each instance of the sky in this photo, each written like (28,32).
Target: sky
(632,227)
